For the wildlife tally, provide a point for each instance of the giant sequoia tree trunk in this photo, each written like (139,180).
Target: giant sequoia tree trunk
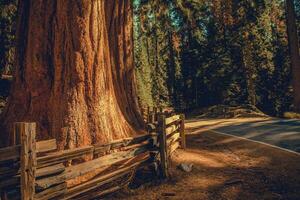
(294,51)
(74,74)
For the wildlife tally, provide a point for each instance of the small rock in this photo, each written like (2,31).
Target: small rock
(186,167)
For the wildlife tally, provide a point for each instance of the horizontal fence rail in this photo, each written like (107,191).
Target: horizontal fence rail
(37,170)
(150,114)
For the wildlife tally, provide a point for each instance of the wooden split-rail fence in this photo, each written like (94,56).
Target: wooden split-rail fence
(31,169)
(150,114)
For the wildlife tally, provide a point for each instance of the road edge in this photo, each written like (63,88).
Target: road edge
(254,141)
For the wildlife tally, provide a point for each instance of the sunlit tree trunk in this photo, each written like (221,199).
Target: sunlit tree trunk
(74,73)
(294,51)
(248,68)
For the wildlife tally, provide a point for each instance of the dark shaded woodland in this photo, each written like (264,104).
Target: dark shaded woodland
(193,54)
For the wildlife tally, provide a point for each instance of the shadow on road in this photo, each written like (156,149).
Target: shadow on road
(281,133)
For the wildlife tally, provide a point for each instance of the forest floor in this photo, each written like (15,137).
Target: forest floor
(224,167)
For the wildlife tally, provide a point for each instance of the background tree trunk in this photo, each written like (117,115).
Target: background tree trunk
(74,73)
(294,51)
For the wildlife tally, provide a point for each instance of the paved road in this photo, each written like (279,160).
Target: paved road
(277,132)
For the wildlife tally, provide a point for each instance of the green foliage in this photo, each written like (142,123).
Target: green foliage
(155,55)
(230,52)
(8,12)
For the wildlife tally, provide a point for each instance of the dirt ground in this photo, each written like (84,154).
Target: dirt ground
(224,168)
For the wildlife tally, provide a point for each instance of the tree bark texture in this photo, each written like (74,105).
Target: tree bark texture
(294,51)
(74,73)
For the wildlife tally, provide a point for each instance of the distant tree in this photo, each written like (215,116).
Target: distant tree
(294,51)
(142,57)
(8,14)
(155,54)
(226,52)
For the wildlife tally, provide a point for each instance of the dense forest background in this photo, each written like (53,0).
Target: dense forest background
(196,53)
(8,18)
(191,54)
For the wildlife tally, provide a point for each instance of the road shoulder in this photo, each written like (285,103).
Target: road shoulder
(226,168)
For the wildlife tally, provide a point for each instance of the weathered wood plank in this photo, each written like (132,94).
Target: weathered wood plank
(10,182)
(120,143)
(3,195)
(173,147)
(182,131)
(102,149)
(153,136)
(136,140)
(172,119)
(50,170)
(155,117)
(99,181)
(97,194)
(171,129)
(46,146)
(62,156)
(8,171)
(163,145)
(13,194)
(15,138)
(92,184)
(86,167)
(27,132)
(10,153)
(47,182)
(52,192)
(92,194)
(148,115)
(142,144)
(173,139)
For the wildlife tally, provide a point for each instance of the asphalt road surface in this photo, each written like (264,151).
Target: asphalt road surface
(278,132)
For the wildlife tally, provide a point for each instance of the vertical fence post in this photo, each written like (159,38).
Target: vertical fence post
(155,117)
(152,131)
(182,131)
(160,109)
(163,145)
(148,114)
(13,140)
(152,120)
(27,133)
(3,195)
(142,112)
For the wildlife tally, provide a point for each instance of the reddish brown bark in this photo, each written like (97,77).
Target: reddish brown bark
(75,70)
(294,51)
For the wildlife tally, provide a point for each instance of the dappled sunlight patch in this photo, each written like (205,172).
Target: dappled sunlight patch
(218,123)
(227,140)
(281,134)
(229,151)
(286,136)
(199,158)
(227,168)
